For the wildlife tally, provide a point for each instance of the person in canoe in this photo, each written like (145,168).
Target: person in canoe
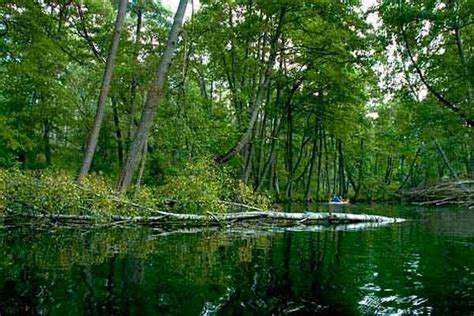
(337,199)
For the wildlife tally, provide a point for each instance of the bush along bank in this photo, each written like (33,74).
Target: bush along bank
(193,199)
(199,190)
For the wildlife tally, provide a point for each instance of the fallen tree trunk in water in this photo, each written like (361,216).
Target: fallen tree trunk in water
(454,193)
(225,219)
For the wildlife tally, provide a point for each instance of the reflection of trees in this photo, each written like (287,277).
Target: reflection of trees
(294,275)
(130,271)
(21,298)
(127,272)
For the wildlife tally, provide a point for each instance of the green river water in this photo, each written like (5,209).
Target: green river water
(424,266)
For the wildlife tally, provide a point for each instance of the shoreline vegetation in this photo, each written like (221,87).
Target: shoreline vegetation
(107,104)
(56,197)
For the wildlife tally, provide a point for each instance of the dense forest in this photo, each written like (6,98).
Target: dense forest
(293,99)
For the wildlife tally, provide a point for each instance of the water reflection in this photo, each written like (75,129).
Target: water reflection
(364,269)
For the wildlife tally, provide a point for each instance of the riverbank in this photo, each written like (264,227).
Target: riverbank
(56,197)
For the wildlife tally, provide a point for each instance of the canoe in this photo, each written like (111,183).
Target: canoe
(339,203)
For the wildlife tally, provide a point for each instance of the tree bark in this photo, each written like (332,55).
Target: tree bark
(326,165)
(47,143)
(118,132)
(314,151)
(320,158)
(154,96)
(289,150)
(249,156)
(134,82)
(268,169)
(142,167)
(104,91)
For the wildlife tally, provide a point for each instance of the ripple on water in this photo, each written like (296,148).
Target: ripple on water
(374,304)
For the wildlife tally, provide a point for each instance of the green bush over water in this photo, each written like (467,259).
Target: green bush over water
(201,186)
(199,189)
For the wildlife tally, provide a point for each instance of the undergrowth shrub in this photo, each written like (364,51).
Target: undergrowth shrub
(200,188)
(57,193)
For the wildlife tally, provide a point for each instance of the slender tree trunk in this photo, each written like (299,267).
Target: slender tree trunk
(47,142)
(468,78)
(289,150)
(276,183)
(471,159)
(245,138)
(410,171)
(453,172)
(389,171)
(360,172)
(104,91)
(261,152)
(334,165)
(249,156)
(311,166)
(142,167)
(326,165)
(118,132)
(291,167)
(466,116)
(342,176)
(320,157)
(462,57)
(154,96)
(271,156)
(134,82)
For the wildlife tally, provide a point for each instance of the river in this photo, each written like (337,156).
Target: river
(422,266)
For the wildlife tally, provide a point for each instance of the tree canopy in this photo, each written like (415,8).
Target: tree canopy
(300,100)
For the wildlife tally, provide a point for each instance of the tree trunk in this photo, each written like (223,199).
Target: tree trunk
(268,169)
(289,150)
(320,157)
(342,176)
(154,96)
(261,152)
(134,83)
(249,156)
(467,75)
(118,132)
(410,171)
(311,167)
(260,95)
(142,167)
(326,165)
(104,91)
(453,172)
(471,159)
(47,143)
(334,165)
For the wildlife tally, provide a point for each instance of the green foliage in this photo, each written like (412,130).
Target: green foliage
(312,137)
(201,187)
(52,192)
